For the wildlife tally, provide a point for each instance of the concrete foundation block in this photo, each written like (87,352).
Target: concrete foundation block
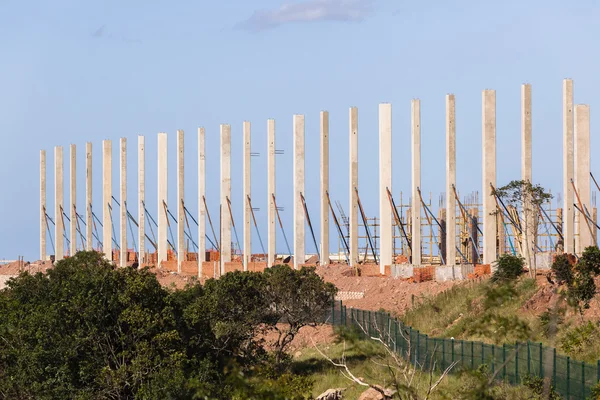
(402,270)
(543,261)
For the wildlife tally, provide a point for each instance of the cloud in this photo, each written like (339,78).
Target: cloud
(103,33)
(309,11)
(98,33)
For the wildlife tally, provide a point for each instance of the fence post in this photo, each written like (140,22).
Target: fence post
(452,342)
(369,323)
(427,349)
(598,371)
(417,348)
(410,340)
(554,367)
(443,354)
(493,359)
(516,362)
(504,360)
(462,353)
(528,359)
(333,313)
(582,378)
(541,360)
(482,353)
(472,355)
(568,377)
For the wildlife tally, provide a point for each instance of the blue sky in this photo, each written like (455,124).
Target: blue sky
(76,71)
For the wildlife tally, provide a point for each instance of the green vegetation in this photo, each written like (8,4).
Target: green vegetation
(88,330)
(508,268)
(368,360)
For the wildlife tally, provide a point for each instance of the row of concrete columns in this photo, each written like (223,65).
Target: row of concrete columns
(576,148)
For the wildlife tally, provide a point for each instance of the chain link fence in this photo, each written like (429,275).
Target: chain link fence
(510,362)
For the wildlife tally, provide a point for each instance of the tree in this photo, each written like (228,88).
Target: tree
(508,268)
(297,298)
(527,198)
(88,330)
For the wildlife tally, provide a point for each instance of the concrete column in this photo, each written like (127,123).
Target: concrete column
(180,201)
(89,222)
(353,217)
(386,252)
(141,199)
(450,180)
(271,234)
(568,167)
(73,199)
(526,162)
(123,202)
(43,205)
(298,161)
(59,228)
(582,172)
(201,207)
(162,198)
(225,194)
(416,180)
(489,174)
(107,199)
(324,188)
(247,194)
(526,132)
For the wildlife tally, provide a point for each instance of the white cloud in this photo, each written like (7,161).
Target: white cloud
(309,11)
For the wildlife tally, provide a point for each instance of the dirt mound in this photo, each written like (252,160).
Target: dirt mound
(381,292)
(16,267)
(322,334)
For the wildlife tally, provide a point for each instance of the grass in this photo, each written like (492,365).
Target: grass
(368,360)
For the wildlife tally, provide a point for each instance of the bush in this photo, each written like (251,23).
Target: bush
(576,340)
(508,268)
(563,270)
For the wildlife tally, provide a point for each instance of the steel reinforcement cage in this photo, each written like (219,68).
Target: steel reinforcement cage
(510,362)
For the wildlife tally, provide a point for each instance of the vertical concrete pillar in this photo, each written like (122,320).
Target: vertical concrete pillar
(489,174)
(107,199)
(416,180)
(88,197)
(201,207)
(59,229)
(353,185)
(526,162)
(180,201)
(141,199)
(324,188)
(582,172)
(162,199)
(271,233)
(73,200)
(247,194)
(526,132)
(386,252)
(225,194)
(299,232)
(450,180)
(43,205)
(568,167)
(123,202)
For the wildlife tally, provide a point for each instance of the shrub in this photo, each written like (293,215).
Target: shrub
(563,270)
(576,340)
(508,268)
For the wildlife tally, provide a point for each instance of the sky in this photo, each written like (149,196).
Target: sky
(73,72)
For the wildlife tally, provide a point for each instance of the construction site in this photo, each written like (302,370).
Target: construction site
(455,234)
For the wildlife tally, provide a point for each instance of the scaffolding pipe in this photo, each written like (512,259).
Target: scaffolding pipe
(337,224)
(397,217)
(366,224)
(281,225)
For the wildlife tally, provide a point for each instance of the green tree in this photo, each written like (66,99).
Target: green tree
(297,298)
(527,198)
(508,268)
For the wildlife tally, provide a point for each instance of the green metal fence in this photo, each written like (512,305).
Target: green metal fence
(510,362)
